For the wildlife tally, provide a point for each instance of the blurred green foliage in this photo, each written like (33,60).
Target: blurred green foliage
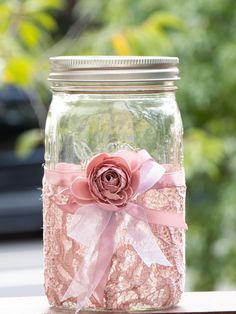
(25,30)
(27,141)
(26,33)
(202,34)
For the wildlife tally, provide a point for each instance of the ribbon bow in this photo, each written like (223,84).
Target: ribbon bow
(102,198)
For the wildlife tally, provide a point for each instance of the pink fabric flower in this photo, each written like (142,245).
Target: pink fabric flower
(111,179)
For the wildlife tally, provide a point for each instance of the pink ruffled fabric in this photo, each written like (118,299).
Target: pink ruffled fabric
(130,283)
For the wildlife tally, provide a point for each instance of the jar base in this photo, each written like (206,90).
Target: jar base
(70,308)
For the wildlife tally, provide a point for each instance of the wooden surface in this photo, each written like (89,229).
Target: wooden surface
(192,302)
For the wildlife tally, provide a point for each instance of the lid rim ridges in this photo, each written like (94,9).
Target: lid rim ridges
(107,61)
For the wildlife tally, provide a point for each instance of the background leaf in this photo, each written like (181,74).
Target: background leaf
(28,141)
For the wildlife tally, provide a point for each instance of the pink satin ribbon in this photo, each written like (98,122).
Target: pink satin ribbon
(95,227)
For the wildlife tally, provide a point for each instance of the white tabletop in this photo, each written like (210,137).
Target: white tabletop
(192,302)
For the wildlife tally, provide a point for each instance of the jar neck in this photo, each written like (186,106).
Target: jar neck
(72,97)
(114,88)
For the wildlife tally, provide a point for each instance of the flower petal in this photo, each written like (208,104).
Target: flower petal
(110,187)
(96,191)
(129,192)
(121,201)
(66,201)
(110,196)
(135,180)
(131,157)
(96,160)
(116,162)
(102,170)
(80,189)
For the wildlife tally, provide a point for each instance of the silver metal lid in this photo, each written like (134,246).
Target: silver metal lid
(108,70)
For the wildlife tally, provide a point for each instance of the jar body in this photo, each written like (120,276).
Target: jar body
(79,127)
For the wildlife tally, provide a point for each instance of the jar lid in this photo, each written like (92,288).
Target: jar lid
(113,69)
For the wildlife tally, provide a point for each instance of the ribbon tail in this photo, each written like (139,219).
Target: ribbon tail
(95,263)
(99,291)
(87,224)
(142,238)
(106,247)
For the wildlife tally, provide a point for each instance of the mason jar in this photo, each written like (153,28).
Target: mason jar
(114,186)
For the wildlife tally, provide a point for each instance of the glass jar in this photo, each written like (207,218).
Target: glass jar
(114,187)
